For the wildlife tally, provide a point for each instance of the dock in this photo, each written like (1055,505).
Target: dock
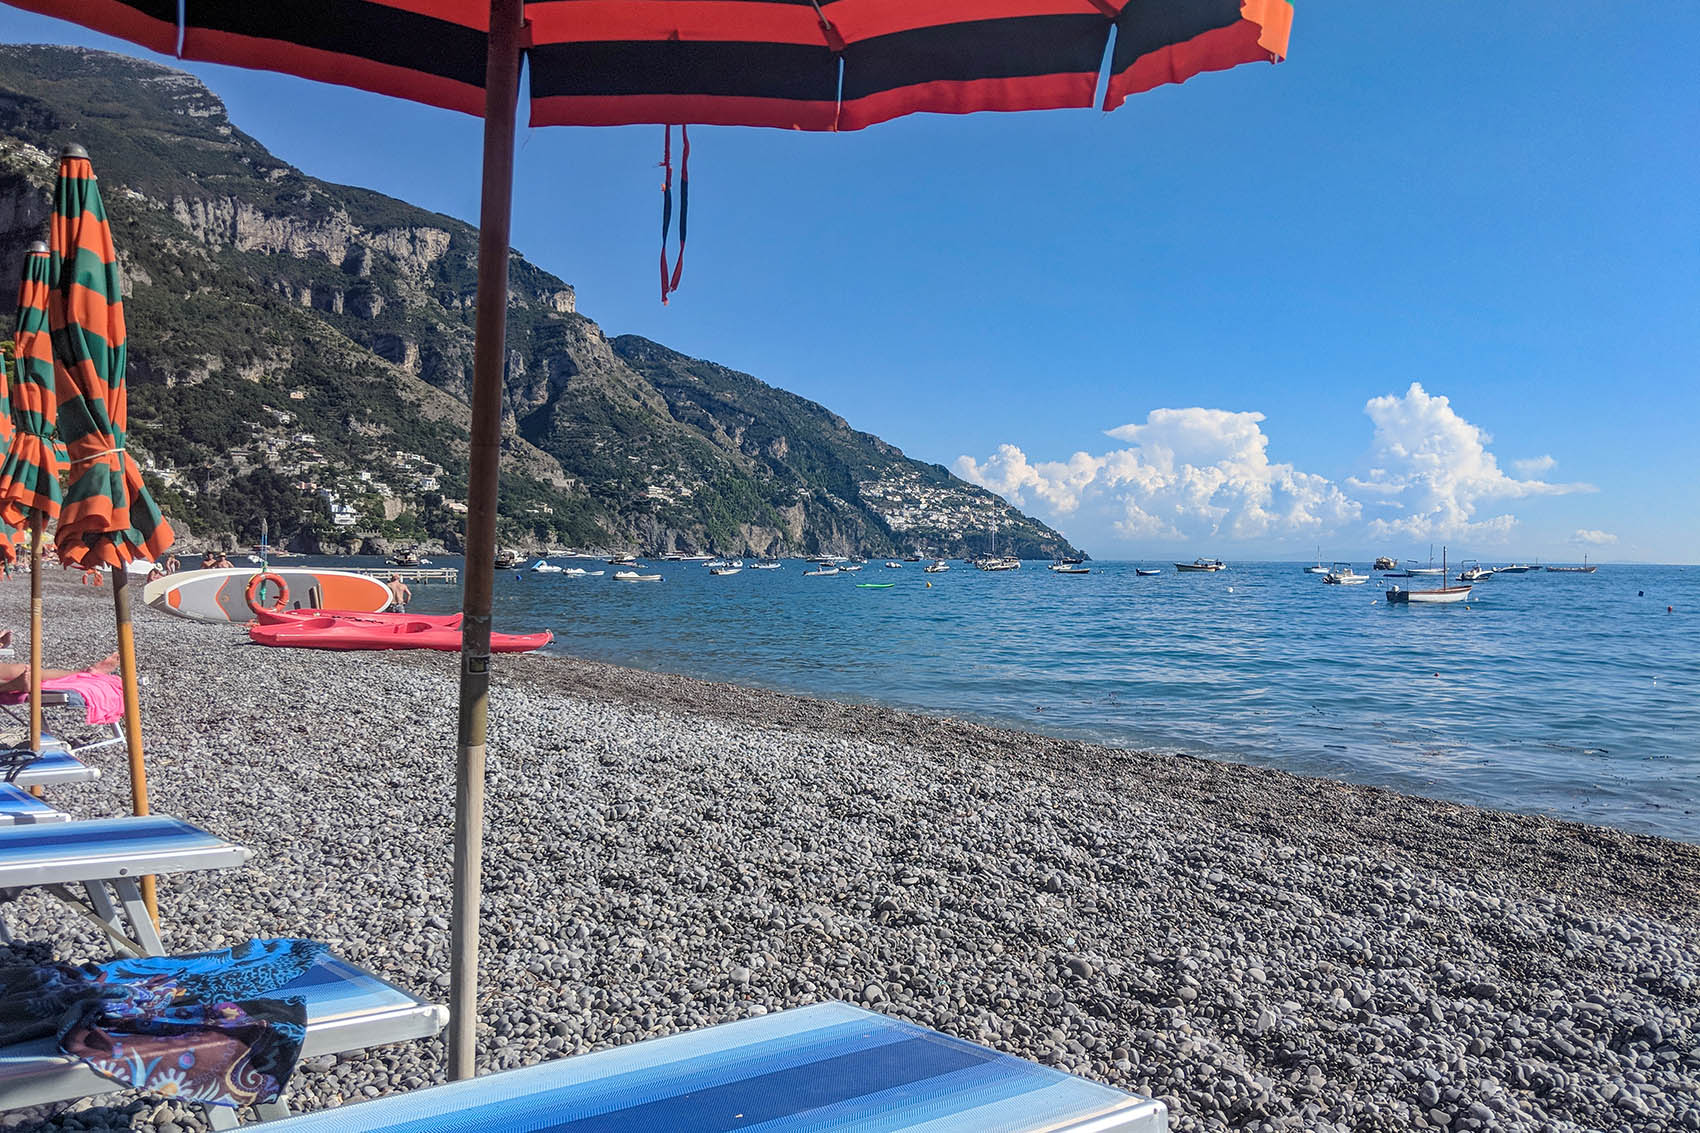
(450,575)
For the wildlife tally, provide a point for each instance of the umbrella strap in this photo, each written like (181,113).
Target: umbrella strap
(671,284)
(94,456)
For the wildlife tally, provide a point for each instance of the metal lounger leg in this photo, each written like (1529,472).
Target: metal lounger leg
(274,1111)
(220,1116)
(100,912)
(146,934)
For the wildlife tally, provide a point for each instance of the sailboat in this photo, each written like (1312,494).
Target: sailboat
(1431,569)
(1445,595)
(1318,568)
(995,561)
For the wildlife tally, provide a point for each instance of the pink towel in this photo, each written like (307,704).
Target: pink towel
(102,693)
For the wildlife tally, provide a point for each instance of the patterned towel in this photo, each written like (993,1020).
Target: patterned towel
(206,1027)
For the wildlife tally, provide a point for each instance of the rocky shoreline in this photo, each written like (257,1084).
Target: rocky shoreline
(1261,950)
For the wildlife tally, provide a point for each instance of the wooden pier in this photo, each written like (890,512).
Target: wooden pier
(450,575)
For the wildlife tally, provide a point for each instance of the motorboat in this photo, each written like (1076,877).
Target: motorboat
(1064,568)
(850,567)
(766,564)
(1341,574)
(634,576)
(1202,566)
(1474,572)
(1383,562)
(623,560)
(580,572)
(937,566)
(997,562)
(821,570)
(893,564)
(544,566)
(1144,572)
(506,559)
(725,570)
(712,564)
(1514,568)
(406,558)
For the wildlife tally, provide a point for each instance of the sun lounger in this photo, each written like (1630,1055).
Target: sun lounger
(55,765)
(348,1008)
(108,853)
(829,1067)
(110,725)
(20,808)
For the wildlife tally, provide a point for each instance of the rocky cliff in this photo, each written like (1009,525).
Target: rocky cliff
(302,352)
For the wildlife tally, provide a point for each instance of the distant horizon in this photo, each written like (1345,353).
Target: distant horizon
(1327,301)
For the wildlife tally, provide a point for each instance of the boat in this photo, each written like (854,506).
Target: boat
(1424,572)
(724,570)
(997,562)
(1341,574)
(821,570)
(623,560)
(634,576)
(1144,572)
(1382,562)
(580,572)
(1442,596)
(403,633)
(766,564)
(221,594)
(1583,569)
(1065,568)
(875,585)
(359,617)
(911,558)
(1319,568)
(1474,573)
(408,557)
(506,559)
(849,568)
(893,564)
(544,566)
(1514,568)
(1202,565)
(937,566)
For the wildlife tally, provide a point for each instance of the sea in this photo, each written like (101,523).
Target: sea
(1570,695)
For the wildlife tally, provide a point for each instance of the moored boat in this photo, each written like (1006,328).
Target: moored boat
(1318,568)
(1383,562)
(1144,572)
(544,566)
(634,576)
(724,570)
(1342,574)
(1474,572)
(821,570)
(937,566)
(1202,566)
(1442,596)
(1583,569)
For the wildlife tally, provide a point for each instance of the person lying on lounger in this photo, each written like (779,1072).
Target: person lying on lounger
(16,678)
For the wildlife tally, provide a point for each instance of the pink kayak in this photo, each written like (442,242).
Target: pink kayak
(340,633)
(361,617)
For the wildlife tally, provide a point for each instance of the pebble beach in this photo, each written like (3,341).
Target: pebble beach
(1260,950)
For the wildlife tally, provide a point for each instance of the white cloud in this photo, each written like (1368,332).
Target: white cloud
(1594,538)
(1534,466)
(1436,466)
(1185,473)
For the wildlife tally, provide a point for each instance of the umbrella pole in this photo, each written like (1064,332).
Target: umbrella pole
(35,633)
(132,716)
(501,95)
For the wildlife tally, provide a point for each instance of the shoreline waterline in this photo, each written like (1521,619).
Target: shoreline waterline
(1261,949)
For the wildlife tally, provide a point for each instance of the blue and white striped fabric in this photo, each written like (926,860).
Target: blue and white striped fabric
(20,808)
(102,849)
(829,1067)
(56,765)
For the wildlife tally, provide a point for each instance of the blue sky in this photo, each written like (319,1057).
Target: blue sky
(1436,277)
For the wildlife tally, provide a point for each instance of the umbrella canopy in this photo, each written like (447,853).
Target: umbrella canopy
(804,64)
(29,475)
(108,517)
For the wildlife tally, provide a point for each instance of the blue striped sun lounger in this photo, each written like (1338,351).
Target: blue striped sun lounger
(348,1008)
(20,808)
(829,1067)
(109,852)
(55,765)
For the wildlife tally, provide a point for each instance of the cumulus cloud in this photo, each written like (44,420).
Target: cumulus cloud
(1593,537)
(1436,467)
(1183,473)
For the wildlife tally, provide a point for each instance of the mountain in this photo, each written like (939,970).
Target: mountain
(302,352)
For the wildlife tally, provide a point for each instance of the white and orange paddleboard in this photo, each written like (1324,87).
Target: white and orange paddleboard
(222,595)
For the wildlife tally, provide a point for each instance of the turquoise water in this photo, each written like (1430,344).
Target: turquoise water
(1570,695)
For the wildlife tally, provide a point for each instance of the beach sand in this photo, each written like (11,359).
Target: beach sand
(1262,951)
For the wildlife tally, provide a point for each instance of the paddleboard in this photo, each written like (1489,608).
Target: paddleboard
(875,585)
(221,595)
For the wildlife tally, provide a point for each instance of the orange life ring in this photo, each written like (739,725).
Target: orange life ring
(261,579)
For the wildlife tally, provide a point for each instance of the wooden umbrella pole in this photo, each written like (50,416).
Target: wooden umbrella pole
(36,526)
(501,95)
(132,716)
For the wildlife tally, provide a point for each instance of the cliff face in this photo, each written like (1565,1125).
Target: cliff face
(303,351)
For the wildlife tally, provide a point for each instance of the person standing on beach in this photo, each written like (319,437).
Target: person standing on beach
(400,595)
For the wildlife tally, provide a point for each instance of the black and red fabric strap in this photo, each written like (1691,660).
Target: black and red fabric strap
(671,284)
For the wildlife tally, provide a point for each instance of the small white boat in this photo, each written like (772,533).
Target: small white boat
(544,566)
(1514,568)
(724,570)
(1341,574)
(713,563)
(820,571)
(1474,572)
(1064,568)
(766,564)
(937,566)
(580,572)
(634,576)
(1318,568)
(850,567)
(893,564)
(1444,596)
(623,560)
(1202,566)
(997,562)
(1144,573)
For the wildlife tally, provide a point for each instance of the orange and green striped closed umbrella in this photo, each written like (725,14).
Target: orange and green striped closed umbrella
(29,476)
(108,518)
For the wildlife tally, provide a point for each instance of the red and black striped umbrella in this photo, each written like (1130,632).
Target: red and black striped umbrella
(798,64)
(107,518)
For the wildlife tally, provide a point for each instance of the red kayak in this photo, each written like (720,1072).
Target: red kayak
(410,633)
(360,617)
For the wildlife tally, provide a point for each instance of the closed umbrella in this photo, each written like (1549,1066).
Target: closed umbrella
(108,518)
(805,64)
(29,476)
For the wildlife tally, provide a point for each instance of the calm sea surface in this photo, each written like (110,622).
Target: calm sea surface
(1569,695)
